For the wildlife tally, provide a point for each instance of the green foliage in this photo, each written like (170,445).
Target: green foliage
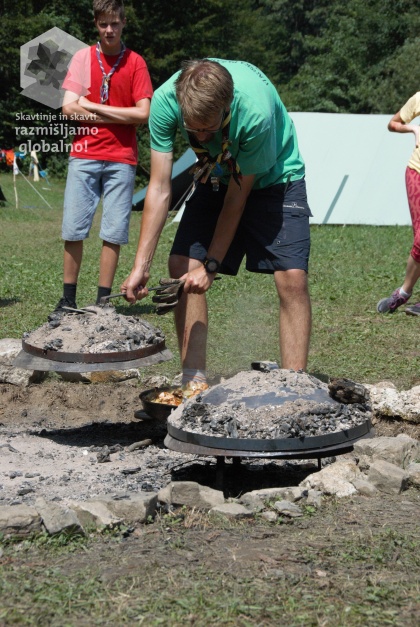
(351,58)
(185,29)
(323,55)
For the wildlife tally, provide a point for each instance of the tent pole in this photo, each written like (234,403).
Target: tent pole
(34,188)
(16,194)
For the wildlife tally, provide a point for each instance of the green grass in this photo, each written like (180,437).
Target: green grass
(366,579)
(351,268)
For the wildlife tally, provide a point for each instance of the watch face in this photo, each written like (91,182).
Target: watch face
(212,265)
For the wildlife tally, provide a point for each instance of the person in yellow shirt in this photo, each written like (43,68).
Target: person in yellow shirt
(401,123)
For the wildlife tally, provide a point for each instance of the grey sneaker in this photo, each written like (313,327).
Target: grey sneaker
(413,310)
(390,304)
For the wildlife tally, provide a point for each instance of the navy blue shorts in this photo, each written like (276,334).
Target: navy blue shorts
(273,233)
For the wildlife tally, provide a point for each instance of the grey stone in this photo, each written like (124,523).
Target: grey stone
(387,477)
(413,472)
(19,520)
(137,509)
(231,510)
(191,494)
(156,381)
(400,450)
(108,376)
(108,512)
(252,502)
(388,402)
(335,479)
(96,513)
(58,519)
(293,493)
(270,516)
(314,498)
(9,350)
(164,494)
(365,487)
(286,508)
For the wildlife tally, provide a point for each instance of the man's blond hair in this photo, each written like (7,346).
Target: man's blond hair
(108,7)
(203,88)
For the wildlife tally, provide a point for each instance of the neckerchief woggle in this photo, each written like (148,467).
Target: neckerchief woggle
(208,165)
(104,92)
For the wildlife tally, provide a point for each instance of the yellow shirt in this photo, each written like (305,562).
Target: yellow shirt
(408,112)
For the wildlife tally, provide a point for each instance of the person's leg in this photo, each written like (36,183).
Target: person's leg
(295,318)
(412,180)
(191,319)
(108,263)
(412,275)
(118,185)
(189,248)
(82,194)
(402,294)
(73,253)
(276,232)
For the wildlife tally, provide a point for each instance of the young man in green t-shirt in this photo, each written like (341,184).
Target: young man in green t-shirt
(249,200)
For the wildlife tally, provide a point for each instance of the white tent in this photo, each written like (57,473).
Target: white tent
(355,168)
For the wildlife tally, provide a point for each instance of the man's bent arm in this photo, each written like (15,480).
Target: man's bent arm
(72,110)
(227,224)
(199,279)
(119,115)
(79,108)
(155,212)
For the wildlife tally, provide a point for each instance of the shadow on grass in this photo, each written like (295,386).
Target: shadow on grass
(325,378)
(136,310)
(7,302)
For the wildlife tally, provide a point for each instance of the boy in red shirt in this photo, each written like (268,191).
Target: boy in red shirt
(108,90)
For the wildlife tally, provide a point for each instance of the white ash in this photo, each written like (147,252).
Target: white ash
(268,405)
(103,331)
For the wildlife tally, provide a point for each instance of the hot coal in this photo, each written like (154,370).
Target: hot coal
(268,405)
(101,330)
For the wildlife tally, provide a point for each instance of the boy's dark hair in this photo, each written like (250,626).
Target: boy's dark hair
(108,6)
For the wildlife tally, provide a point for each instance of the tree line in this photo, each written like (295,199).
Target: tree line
(358,56)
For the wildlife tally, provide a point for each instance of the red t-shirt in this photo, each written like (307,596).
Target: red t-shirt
(129,83)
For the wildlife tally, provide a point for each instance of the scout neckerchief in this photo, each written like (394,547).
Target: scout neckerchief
(208,165)
(104,93)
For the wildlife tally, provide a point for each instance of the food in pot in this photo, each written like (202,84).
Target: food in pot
(166,397)
(192,388)
(175,396)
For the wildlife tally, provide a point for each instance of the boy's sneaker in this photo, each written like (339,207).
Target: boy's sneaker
(390,304)
(413,310)
(59,310)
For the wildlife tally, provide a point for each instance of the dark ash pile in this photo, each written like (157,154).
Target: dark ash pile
(268,405)
(102,331)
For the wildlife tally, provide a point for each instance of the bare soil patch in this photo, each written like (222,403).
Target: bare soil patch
(352,551)
(66,441)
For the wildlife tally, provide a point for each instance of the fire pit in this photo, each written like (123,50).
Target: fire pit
(279,413)
(99,339)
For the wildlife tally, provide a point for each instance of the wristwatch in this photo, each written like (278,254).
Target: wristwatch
(211,265)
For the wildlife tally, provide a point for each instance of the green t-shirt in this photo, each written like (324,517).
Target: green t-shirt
(262,134)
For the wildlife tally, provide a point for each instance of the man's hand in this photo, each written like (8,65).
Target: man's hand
(135,286)
(198,281)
